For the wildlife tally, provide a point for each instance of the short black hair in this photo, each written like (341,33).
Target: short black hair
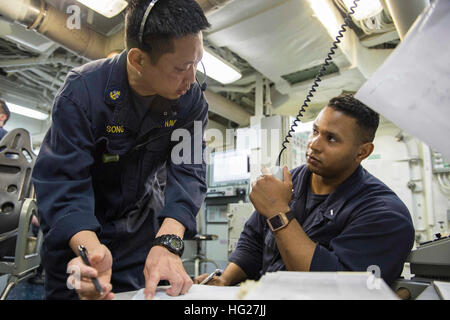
(4,109)
(168,20)
(367,119)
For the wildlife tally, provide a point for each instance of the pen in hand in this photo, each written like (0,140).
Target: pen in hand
(84,256)
(216,272)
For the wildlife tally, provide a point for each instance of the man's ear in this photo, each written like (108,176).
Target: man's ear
(136,59)
(364,151)
(2,117)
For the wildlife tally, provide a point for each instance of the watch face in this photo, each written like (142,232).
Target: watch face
(177,244)
(276,222)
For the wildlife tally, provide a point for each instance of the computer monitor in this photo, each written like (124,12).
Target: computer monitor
(232,166)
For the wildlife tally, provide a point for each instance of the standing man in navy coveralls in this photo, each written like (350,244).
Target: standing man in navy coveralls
(95,176)
(336,215)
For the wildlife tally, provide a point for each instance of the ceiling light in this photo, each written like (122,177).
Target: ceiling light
(365,8)
(325,14)
(218,69)
(27,112)
(107,8)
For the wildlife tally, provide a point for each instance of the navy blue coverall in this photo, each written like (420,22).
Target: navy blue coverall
(3,133)
(361,223)
(97,169)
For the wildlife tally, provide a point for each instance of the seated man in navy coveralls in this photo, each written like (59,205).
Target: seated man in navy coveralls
(4,116)
(96,174)
(343,218)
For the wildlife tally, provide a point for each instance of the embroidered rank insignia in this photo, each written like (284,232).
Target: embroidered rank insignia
(114,95)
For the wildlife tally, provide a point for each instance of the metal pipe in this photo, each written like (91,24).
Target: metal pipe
(84,41)
(259,96)
(53,80)
(22,11)
(227,109)
(28,91)
(52,23)
(40,83)
(405,12)
(238,89)
(37,61)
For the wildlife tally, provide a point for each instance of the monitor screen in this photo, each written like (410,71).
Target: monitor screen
(228,166)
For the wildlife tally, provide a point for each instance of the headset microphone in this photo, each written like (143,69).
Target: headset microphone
(204,84)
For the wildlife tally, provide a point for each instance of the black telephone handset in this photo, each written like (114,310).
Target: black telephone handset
(277,170)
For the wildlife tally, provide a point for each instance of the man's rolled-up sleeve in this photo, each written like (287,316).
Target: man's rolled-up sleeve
(61,175)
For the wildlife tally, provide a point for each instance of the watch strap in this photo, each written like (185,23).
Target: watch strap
(164,241)
(280,220)
(289,215)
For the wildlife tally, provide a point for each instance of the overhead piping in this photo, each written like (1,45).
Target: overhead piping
(42,17)
(404,13)
(38,61)
(227,109)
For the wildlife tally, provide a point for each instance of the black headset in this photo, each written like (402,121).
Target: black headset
(141,40)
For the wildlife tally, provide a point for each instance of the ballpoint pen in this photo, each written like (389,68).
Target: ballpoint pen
(216,272)
(84,256)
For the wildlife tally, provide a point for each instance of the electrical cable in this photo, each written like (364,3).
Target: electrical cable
(318,78)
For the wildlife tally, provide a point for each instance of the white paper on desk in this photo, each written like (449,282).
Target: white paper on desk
(443,289)
(197,292)
(412,87)
(289,285)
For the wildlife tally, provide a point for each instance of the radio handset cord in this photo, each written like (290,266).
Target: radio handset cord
(277,170)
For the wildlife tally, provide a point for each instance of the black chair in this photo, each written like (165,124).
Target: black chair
(19,246)
(199,258)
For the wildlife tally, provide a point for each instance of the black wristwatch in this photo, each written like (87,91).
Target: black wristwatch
(280,220)
(172,242)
